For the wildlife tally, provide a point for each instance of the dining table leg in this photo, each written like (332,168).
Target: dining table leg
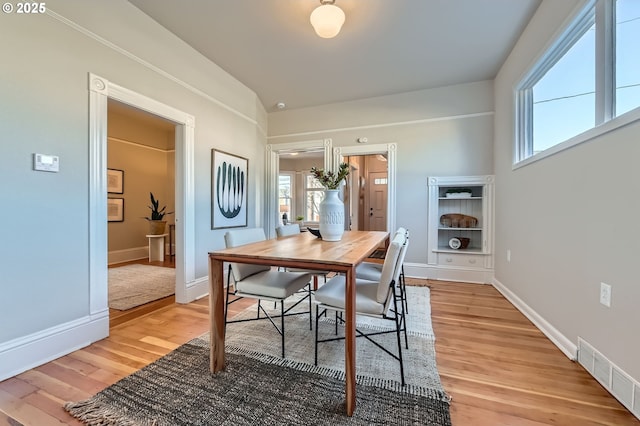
(216,314)
(350,341)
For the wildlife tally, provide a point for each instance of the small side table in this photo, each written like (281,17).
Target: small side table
(156,247)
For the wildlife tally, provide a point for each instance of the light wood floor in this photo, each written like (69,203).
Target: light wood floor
(499,369)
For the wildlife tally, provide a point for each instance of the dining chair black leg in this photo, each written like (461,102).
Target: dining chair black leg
(315,359)
(397,320)
(282,324)
(310,310)
(403,285)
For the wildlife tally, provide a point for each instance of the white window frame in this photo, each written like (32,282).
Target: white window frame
(602,12)
(306,190)
(292,196)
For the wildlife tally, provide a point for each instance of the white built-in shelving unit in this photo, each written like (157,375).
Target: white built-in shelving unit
(475,262)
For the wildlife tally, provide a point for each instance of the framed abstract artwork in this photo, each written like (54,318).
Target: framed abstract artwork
(229,187)
(115,209)
(115,181)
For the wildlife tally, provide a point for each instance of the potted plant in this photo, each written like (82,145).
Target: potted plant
(156,222)
(331,208)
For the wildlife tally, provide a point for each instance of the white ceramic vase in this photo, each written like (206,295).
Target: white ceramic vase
(331,216)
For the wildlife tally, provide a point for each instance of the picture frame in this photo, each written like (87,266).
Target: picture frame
(115,181)
(229,188)
(115,209)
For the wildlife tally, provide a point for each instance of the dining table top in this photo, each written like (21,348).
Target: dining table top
(353,248)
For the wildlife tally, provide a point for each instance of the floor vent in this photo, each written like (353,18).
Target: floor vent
(620,384)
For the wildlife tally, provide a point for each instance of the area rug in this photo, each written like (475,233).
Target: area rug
(179,390)
(257,338)
(135,285)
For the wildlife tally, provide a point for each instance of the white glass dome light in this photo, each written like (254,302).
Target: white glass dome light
(327,19)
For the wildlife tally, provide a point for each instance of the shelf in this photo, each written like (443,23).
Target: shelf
(475,262)
(466,251)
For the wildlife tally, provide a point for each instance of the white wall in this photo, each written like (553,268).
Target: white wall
(439,132)
(45,109)
(568,219)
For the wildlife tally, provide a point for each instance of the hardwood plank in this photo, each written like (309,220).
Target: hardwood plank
(499,369)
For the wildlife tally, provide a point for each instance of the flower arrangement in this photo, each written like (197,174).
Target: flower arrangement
(331,180)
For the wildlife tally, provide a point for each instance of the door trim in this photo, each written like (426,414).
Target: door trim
(389,150)
(100,90)
(272,157)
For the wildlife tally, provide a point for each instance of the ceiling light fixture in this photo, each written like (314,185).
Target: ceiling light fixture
(327,19)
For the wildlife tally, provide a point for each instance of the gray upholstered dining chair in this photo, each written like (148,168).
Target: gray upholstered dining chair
(262,283)
(372,271)
(372,298)
(294,229)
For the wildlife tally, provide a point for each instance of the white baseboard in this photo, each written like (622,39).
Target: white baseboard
(567,347)
(198,289)
(127,255)
(459,274)
(418,270)
(24,353)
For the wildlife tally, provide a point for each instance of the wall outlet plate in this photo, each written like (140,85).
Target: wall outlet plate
(605,294)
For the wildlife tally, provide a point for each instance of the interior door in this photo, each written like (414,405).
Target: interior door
(377,201)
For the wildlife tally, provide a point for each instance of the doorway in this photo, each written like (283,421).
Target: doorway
(186,289)
(366,194)
(273,211)
(141,154)
(380,151)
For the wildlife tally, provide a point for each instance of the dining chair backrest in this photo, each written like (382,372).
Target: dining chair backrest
(389,267)
(286,230)
(403,251)
(241,237)
(400,262)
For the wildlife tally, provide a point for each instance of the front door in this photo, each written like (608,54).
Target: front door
(376,210)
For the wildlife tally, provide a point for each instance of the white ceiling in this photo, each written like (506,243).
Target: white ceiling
(385,46)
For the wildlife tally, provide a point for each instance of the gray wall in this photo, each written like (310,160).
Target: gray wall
(568,218)
(45,108)
(440,132)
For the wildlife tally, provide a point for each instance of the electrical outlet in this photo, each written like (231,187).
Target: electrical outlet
(508,255)
(605,294)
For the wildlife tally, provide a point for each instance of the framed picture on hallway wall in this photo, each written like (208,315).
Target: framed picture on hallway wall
(115,209)
(115,181)
(229,187)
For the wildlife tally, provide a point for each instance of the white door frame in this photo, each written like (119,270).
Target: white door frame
(390,151)
(272,158)
(100,90)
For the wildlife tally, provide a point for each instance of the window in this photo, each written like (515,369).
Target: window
(627,59)
(576,86)
(314,194)
(285,194)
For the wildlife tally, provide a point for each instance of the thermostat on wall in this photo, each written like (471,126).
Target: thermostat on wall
(46,163)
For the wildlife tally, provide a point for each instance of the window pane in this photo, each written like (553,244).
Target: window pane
(564,99)
(312,182)
(284,196)
(627,57)
(313,205)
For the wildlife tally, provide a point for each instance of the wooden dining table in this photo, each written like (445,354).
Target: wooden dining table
(297,251)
